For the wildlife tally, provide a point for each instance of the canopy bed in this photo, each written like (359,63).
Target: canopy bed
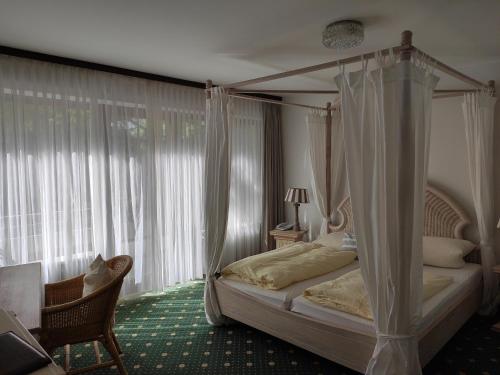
(341,338)
(382,129)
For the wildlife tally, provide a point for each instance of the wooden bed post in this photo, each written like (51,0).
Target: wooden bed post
(406,45)
(328,156)
(208,85)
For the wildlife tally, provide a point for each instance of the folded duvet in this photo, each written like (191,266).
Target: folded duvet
(348,294)
(279,268)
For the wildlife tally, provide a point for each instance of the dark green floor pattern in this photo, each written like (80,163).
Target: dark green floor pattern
(168,334)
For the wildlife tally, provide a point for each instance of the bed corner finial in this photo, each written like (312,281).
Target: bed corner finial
(406,45)
(208,86)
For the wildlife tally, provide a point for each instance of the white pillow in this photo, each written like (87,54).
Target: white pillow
(349,242)
(446,252)
(331,240)
(98,274)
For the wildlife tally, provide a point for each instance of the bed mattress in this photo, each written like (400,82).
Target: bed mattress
(282,298)
(465,280)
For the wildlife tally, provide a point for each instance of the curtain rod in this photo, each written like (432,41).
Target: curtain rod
(450,94)
(405,49)
(309,69)
(241,96)
(242,91)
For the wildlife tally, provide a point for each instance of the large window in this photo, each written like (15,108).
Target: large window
(93,162)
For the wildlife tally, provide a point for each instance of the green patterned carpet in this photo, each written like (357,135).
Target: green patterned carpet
(168,334)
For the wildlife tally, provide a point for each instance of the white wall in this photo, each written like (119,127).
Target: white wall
(447,164)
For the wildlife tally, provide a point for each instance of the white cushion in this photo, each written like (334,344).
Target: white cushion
(446,252)
(98,274)
(349,242)
(331,240)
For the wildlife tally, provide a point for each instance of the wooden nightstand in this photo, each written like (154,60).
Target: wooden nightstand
(496,327)
(286,237)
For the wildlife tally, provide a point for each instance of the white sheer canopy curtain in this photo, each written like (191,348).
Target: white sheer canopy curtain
(479,110)
(386,119)
(217,190)
(316,127)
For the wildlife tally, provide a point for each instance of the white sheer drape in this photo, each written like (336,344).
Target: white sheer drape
(244,228)
(92,162)
(479,110)
(386,118)
(316,127)
(217,191)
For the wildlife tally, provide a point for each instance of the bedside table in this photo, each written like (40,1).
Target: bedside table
(286,237)
(496,327)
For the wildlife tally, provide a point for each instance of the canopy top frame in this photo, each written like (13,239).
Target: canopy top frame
(405,50)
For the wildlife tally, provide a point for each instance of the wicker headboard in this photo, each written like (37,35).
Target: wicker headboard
(443,216)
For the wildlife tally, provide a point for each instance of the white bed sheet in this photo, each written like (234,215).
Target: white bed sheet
(464,280)
(282,298)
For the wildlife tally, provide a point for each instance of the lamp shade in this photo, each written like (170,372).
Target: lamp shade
(297,195)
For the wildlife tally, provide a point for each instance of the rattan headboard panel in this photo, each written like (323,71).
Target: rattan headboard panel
(443,216)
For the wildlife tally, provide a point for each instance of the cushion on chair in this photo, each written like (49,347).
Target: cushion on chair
(98,274)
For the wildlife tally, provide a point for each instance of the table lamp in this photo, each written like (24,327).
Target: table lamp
(297,196)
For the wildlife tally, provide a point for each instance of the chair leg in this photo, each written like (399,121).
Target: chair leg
(67,357)
(111,348)
(116,343)
(97,352)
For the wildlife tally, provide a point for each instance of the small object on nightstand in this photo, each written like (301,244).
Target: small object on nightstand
(284,226)
(496,327)
(286,237)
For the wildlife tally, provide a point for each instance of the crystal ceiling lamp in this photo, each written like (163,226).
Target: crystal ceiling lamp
(343,34)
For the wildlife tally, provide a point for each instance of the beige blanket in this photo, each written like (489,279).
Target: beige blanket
(279,268)
(347,293)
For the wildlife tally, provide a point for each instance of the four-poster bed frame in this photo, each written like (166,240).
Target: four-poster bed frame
(443,218)
(347,346)
(405,50)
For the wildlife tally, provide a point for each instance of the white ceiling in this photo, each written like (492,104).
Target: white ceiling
(231,40)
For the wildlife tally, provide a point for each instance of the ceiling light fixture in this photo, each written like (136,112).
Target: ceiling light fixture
(343,34)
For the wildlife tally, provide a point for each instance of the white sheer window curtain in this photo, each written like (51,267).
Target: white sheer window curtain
(386,117)
(92,162)
(244,227)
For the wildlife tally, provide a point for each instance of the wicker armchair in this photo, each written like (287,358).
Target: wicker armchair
(69,318)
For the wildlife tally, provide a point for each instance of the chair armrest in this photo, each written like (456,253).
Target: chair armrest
(64,291)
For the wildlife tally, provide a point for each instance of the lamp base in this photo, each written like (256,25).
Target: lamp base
(296,226)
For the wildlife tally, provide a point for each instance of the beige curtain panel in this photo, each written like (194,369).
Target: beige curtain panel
(274,187)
